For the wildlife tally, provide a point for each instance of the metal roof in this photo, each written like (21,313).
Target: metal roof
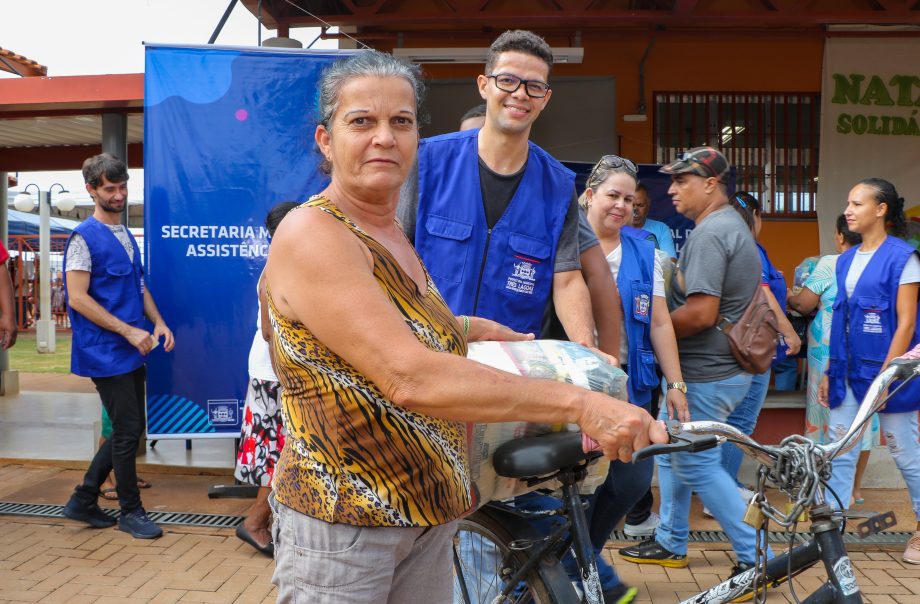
(44,131)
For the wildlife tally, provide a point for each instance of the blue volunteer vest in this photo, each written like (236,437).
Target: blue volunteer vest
(504,273)
(638,233)
(635,282)
(115,283)
(863,324)
(777,284)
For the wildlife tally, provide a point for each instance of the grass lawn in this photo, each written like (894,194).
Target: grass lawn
(25,358)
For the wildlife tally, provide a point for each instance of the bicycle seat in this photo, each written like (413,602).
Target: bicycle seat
(539,455)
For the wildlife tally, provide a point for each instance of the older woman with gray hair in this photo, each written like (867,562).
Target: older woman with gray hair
(375,386)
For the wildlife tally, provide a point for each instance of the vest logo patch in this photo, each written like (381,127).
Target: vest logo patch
(523,278)
(641,302)
(872,322)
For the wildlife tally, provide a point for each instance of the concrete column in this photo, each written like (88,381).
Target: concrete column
(9,380)
(115,141)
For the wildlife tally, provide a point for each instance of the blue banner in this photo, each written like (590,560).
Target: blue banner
(228,133)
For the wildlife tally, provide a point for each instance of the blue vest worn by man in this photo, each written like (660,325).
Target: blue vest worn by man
(863,325)
(636,284)
(114,283)
(504,273)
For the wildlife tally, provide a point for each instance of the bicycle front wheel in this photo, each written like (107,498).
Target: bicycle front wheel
(484,558)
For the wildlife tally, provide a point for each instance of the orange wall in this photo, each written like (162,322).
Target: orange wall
(788,242)
(679,61)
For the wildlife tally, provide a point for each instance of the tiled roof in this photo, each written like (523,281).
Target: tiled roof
(20,65)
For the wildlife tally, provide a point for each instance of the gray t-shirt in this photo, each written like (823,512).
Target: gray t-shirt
(567,250)
(79,258)
(719,259)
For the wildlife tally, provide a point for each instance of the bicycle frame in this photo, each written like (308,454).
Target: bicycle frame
(572,532)
(825,544)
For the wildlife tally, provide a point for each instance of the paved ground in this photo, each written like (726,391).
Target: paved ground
(59,561)
(56,560)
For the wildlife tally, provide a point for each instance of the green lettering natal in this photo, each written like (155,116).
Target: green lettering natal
(877,93)
(847,90)
(905,84)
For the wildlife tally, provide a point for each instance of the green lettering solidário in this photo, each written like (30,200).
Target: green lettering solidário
(843,123)
(860,123)
(876,93)
(846,90)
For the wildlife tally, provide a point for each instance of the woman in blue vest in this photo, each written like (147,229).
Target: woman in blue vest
(745,415)
(646,333)
(875,319)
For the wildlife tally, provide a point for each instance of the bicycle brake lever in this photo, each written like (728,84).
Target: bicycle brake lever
(680,441)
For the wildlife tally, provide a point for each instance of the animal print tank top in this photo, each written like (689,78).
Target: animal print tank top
(353,456)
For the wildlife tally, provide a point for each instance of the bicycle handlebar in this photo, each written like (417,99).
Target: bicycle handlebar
(702,435)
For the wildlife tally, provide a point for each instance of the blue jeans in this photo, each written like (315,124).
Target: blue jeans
(682,474)
(744,417)
(900,430)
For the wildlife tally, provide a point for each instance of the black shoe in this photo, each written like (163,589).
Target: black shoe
(92,514)
(652,552)
(621,594)
(743,567)
(242,533)
(138,525)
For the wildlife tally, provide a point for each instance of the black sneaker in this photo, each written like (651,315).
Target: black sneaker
(138,525)
(743,567)
(652,552)
(91,515)
(621,594)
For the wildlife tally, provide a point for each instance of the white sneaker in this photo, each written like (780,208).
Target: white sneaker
(645,529)
(746,494)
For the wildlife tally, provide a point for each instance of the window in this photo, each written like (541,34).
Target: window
(770,139)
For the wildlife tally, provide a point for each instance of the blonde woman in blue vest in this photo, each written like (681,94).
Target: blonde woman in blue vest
(646,333)
(875,320)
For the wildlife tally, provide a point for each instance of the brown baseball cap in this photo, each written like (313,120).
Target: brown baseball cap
(702,161)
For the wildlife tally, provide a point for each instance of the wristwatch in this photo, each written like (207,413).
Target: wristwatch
(682,386)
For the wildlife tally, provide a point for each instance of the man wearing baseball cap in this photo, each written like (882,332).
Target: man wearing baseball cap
(718,272)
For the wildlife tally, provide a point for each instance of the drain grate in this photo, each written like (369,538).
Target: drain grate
(883,538)
(223,521)
(179,518)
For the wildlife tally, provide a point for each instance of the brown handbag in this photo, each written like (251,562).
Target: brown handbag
(754,337)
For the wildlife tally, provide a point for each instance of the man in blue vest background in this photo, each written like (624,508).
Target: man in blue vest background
(108,303)
(493,216)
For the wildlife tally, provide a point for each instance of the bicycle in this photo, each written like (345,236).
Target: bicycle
(529,566)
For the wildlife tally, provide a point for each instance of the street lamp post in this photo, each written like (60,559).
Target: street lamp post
(45,336)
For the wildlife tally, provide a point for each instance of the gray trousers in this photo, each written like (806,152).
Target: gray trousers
(321,563)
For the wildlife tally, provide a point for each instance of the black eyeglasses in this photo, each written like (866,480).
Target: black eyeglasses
(614,162)
(535,89)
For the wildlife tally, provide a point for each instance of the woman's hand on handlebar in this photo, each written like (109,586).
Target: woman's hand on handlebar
(619,427)
(677,405)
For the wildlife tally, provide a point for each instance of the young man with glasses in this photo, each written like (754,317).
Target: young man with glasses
(493,216)
(717,275)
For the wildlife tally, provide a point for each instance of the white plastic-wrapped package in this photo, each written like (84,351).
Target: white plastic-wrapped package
(547,359)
